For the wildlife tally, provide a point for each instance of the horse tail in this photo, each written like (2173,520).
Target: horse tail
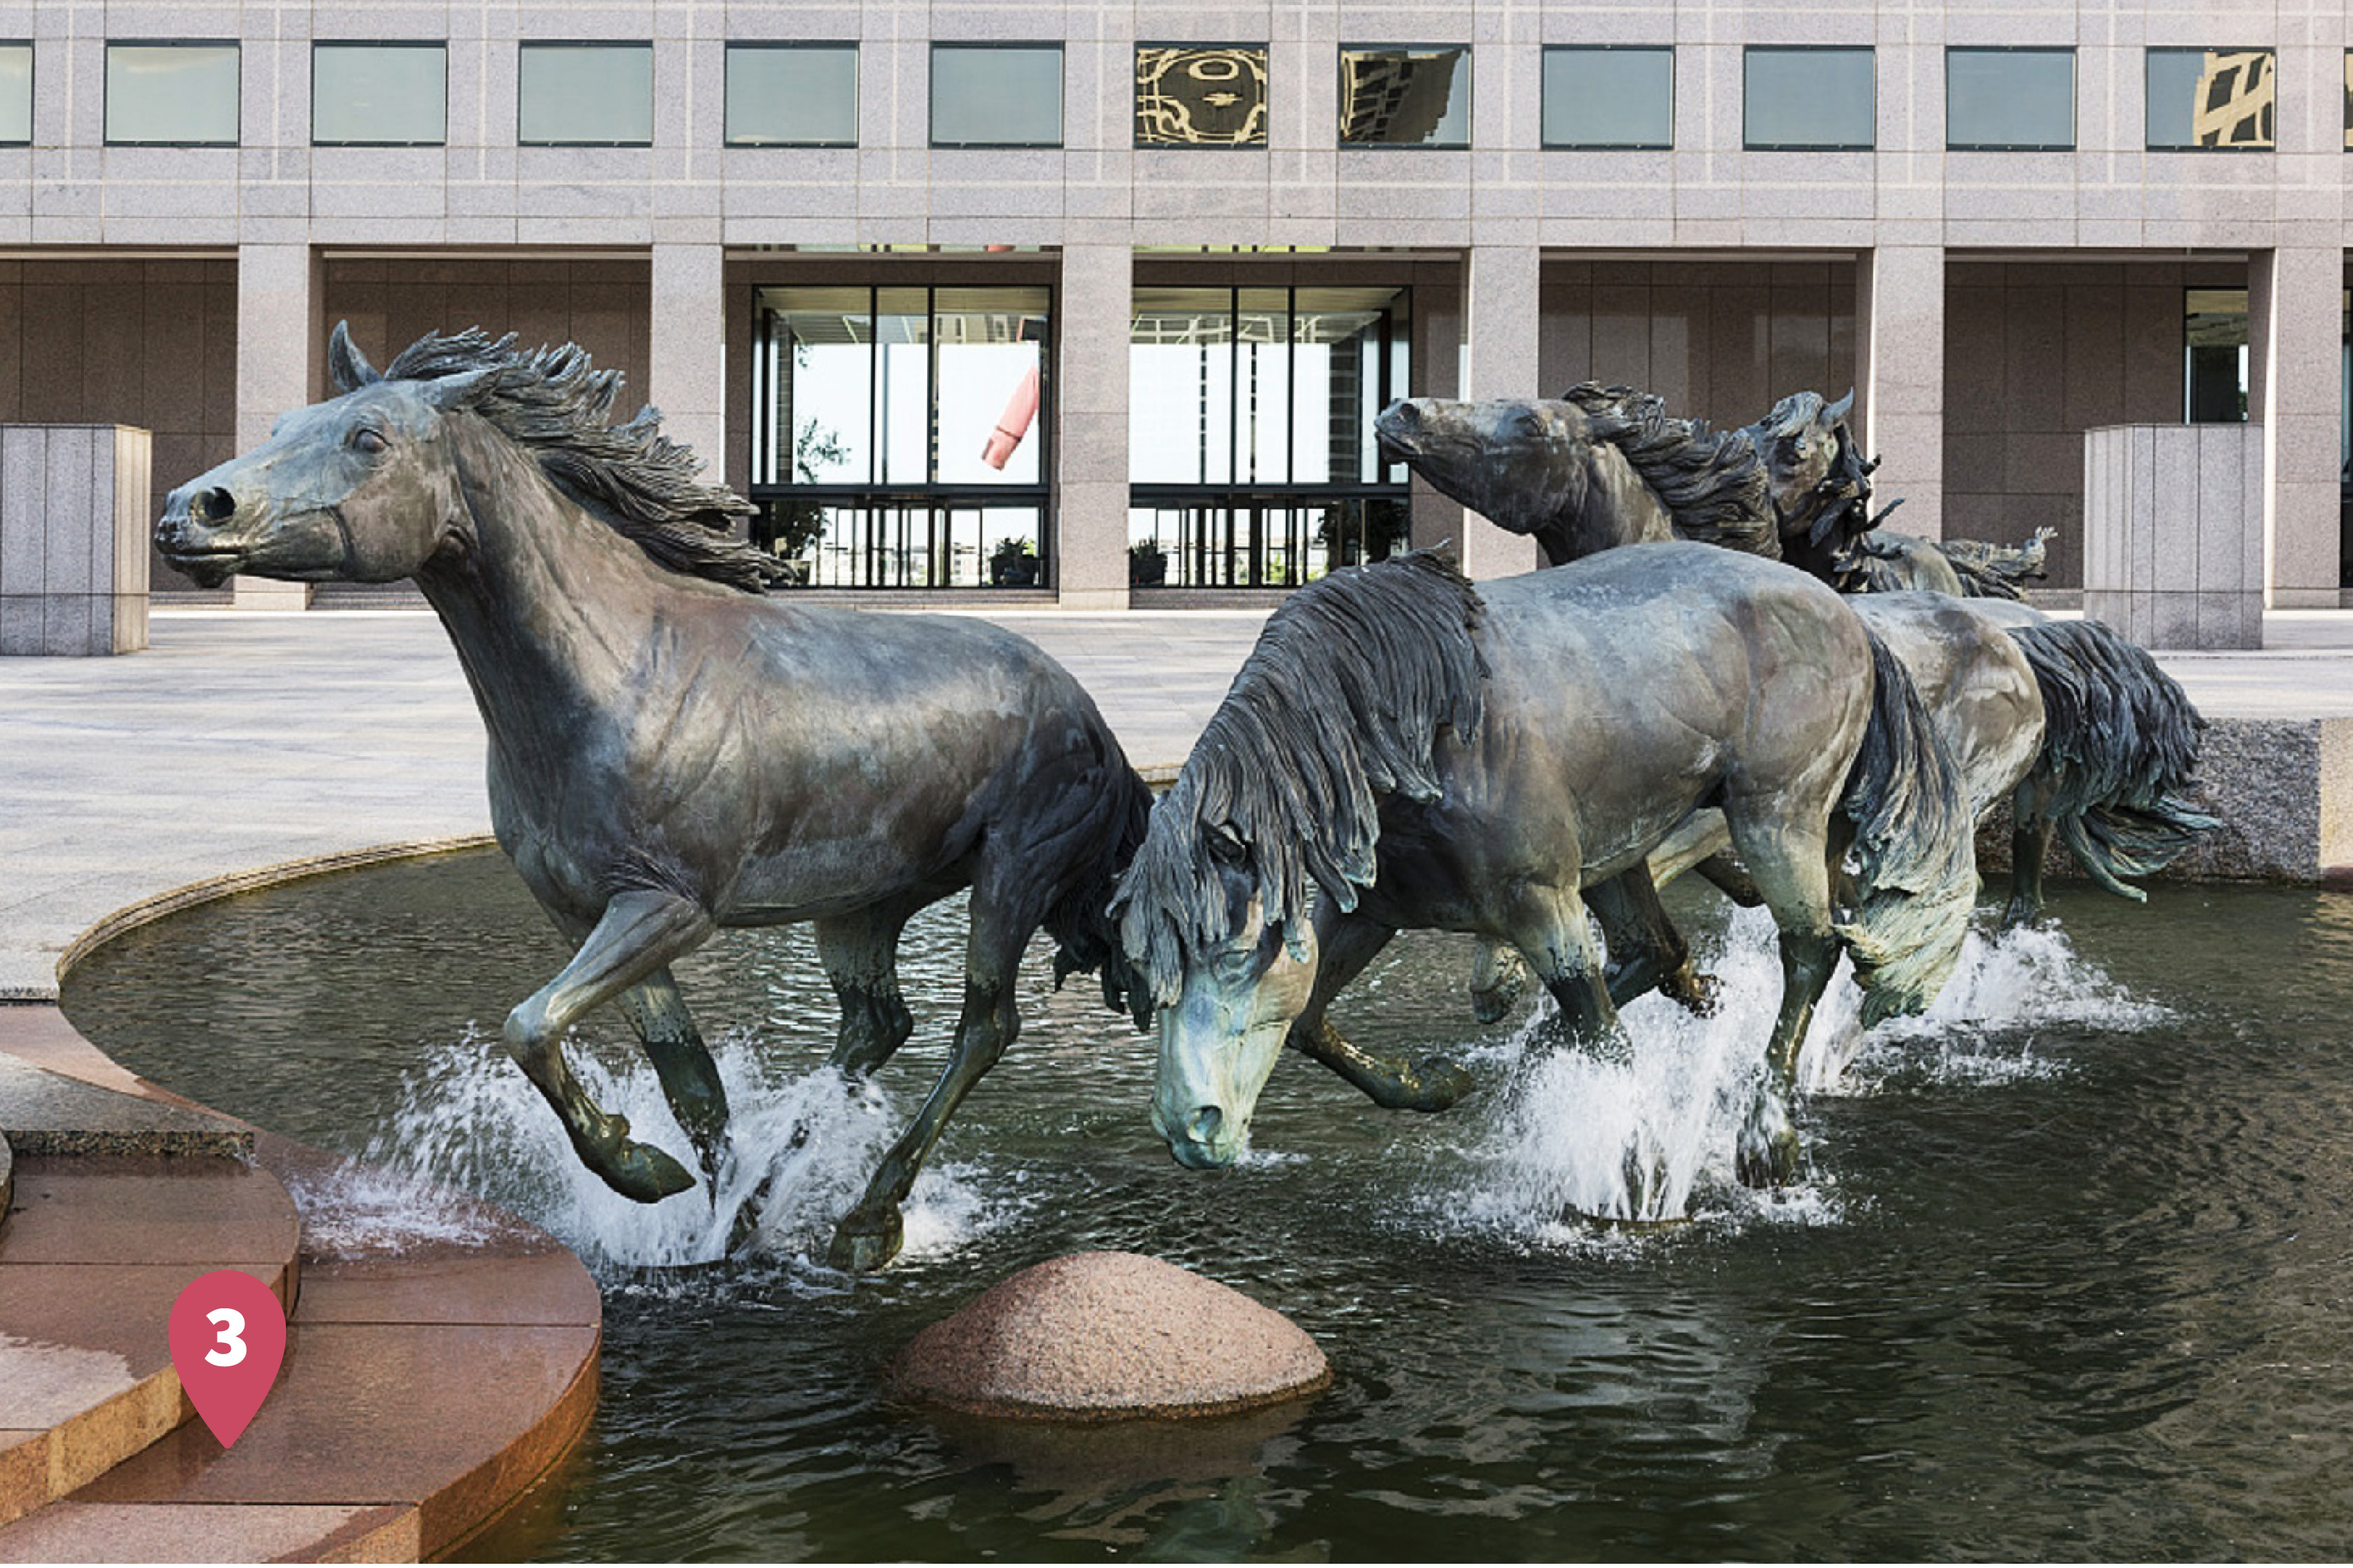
(2119,744)
(1085,934)
(1914,876)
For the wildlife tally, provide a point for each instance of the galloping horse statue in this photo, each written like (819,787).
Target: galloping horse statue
(671,752)
(1401,741)
(2113,739)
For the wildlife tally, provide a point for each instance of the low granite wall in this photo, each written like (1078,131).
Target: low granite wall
(73,539)
(2283,789)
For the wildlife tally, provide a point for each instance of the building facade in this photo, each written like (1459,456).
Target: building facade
(1092,303)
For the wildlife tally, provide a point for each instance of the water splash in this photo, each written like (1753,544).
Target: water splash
(801,1147)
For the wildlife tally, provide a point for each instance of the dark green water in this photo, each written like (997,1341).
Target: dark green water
(2070,1280)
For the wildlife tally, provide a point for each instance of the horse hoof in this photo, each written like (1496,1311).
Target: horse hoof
(863,1246)
(643,1172)
(1699,995)
(1770,1167)
(1441,1082)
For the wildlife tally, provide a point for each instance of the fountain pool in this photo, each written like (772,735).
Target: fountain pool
(2068,1279)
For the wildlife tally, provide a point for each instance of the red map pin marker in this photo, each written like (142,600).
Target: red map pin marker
(229,1335)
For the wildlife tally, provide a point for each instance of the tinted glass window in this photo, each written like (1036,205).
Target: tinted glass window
(2211,98)
(171,93)
(1405,96)
(984,97)
(395,94)
(15,93)
(1609,97)
(1201,95)
(600,94)
(801,96)
(1809,99)
(2010,98)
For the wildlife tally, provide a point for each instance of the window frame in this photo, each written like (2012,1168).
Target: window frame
(106,87)
(932,95)
(1543,87)
(2149,51)
(440,44)
(1750,51)
(1469,107)
(726,84)
(524,46)
(1137,144)
(2075,98)
(32,86)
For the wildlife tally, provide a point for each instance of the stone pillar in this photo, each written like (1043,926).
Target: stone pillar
(687,358)
(1899,407)
(1501,329)
(2173,541)
(280,350)
(2294,309)
(1090,331)
(73,539)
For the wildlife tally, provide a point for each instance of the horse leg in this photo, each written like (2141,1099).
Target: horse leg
(1646,951)
(689,1078)
(1345,944)
(861,955)
(870,1234)
(2029,847)
(1792,868)
(1498,976)
(640,933)
(1556,938)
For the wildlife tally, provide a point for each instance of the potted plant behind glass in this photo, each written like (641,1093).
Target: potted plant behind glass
(1013,564)
(1147,564)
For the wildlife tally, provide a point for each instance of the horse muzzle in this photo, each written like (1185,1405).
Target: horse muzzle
(193,536)
(1199,1139)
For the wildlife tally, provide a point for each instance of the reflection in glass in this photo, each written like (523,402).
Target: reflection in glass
(984,96)
(171,94)
(2348,99)
(1201,95)
(1250,453)
(798,95)
(1808,100)
(16,93)
(1405,96)
(2211,98)
(586,95)
(2214,332)
(1609,97)
(2010,98)
(380,94)
(892,421)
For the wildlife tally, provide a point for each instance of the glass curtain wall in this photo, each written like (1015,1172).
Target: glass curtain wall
(901,434)
(1250,459)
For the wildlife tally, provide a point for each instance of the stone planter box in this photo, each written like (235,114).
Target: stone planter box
(73,539)
(2173,534)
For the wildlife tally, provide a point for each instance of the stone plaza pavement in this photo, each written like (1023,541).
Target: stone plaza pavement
(244,740)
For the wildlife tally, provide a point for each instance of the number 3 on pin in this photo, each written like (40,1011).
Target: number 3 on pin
(231,1324)
(227,1334)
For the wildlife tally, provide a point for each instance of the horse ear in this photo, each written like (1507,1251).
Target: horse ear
(450,394)
(348,368)
(1838,411)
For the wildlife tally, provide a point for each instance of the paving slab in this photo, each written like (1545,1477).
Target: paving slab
(200,1532)
(108,1209)
(43,1112)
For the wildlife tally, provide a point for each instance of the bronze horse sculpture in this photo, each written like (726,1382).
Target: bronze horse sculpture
(671,751)
(1399,743)
(2113,737)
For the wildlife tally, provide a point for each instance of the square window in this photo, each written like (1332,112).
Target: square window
(997,95)
(1806,100)
(1201,95)
(1405,96)
(2010,99)
(1609,97)
(171,94)
(792,95)
(2212,99)
(15,94)
(380,95)
(585,95)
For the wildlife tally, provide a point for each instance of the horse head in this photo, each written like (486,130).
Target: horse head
(1232,1007)
(360,487)
(1520,463)
(1820,479)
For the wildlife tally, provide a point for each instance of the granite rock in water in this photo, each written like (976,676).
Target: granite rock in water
(1103,1336)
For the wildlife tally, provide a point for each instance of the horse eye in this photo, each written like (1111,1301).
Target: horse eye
(368,441)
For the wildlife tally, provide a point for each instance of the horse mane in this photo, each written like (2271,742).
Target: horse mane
(1340,703)
(557,406)
(1714,483)
(1989,571)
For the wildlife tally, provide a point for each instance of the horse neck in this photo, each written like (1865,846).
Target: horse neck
(1619,508)
(549,609)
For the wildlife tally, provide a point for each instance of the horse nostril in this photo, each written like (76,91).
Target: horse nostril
(215,505)
(1202,1126)
(1407,414)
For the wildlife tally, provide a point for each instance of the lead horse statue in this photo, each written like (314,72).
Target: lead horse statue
(1422,753)
(671,752)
